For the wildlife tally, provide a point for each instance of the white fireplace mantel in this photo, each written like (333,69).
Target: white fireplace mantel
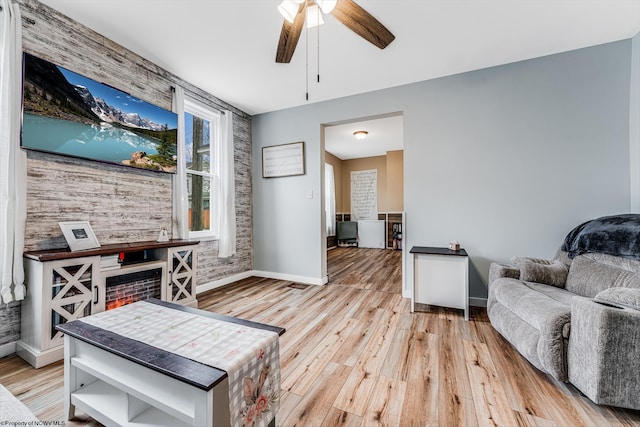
(65,286)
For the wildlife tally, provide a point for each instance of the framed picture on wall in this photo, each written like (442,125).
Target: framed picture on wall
(283,160)
(79,235)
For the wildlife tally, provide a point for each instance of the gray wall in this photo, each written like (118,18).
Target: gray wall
(634,123)
(506,160)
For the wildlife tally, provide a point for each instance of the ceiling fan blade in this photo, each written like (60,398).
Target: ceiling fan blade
(362,23)
(290,35)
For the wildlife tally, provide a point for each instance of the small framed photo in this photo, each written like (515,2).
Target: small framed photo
(79,235)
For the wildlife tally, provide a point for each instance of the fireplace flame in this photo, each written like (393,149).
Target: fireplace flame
(119,302)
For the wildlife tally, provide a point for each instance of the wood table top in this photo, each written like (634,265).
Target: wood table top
(428,250)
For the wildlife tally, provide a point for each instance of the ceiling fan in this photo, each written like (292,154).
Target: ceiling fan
(346,11)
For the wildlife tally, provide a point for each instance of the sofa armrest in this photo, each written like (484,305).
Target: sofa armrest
(620,297)
(497,271)
(604,352)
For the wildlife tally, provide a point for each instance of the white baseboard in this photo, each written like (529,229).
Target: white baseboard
(292,277)
(473,301)
(7,349)
(266,274)
(37,358)
(224,281)
(477,302)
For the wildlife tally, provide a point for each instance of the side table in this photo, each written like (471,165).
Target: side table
(440,277)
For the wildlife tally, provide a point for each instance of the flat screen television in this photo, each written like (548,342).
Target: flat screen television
(69,114)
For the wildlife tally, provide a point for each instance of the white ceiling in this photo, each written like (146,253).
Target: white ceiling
(227,47)
(385,134)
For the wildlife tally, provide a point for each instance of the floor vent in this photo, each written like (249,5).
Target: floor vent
(298,286)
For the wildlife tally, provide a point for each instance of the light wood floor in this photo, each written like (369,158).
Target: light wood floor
(353,355)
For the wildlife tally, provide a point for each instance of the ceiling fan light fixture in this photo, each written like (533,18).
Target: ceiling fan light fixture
(288,9)
(360,134)
(349,13)
(327,6)
(314,17)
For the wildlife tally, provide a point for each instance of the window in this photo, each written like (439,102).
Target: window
(202,136)
(330,199)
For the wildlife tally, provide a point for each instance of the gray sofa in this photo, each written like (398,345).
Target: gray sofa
(576,319)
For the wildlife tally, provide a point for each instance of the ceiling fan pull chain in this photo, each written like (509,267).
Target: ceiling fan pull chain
(318,43)
(306,80)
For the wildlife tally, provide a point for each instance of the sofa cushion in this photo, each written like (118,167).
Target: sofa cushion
(590,274)
(557,294)
(547,313)
(622,297)
(519,333)
(544,271)
(615,261)
(534,307)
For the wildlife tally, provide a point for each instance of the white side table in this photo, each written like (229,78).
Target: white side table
(441,277)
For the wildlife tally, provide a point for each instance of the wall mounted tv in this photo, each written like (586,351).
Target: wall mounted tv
(69,114)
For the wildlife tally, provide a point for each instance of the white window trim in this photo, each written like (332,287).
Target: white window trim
(213,116)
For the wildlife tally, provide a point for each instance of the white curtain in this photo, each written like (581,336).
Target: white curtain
(227,242)
(330,199)
(180,194)
(13,161)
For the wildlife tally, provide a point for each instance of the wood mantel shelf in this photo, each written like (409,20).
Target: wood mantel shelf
(111,249)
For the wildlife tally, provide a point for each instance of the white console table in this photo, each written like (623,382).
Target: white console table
(441,277)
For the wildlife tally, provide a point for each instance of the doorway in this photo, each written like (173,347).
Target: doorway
(363,187)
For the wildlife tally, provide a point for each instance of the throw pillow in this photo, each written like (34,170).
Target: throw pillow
(623,297)
(543,271)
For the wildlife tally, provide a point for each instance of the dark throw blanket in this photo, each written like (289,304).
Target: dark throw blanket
(617,235)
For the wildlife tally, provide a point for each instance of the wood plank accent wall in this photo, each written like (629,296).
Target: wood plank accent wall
(122,204)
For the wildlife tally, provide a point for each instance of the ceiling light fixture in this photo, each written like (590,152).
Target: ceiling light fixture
(347,12)
(360,134)
(314,17)
(289,9)
(327,6)
(298,12)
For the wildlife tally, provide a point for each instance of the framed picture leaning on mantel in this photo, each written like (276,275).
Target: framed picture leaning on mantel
(79,235)
(283,160)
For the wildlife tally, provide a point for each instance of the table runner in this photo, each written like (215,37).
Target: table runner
(250,356)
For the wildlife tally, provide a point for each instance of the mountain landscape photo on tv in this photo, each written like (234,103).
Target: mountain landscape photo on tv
(69,114)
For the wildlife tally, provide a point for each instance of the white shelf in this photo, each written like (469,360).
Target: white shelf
(151,387)
(110,406)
